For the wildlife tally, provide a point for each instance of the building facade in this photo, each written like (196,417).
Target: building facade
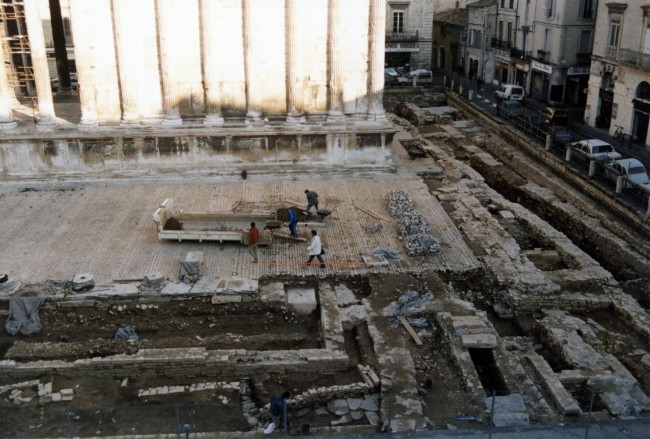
(481,32)
(556,38)
(408,33)
(448,39)
(619,84)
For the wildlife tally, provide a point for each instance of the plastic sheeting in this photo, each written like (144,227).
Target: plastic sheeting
(189,273)
(126,333)
(23,315)
(412,299)
(381,253)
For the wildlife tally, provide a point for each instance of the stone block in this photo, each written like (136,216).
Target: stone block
(175,289)
(228,298)
(272,292)
(302,300)
(344,296)
(237,285)
(479,341)
(369,404)
(338,407)
(373,418)
(83,282)
(354,403)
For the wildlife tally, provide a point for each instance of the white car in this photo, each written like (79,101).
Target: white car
(594,149)
(632,170)
(510,91)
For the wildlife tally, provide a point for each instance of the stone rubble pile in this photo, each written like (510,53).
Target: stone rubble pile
(413,226)
(25,392)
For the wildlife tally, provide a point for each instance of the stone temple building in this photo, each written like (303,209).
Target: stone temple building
(200,84)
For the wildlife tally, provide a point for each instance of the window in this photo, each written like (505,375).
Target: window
(509,33)
(587,9)
(548,9)
(547,40)
(614,31)
(398,22)
(500,30)
(585,39)
(512,4)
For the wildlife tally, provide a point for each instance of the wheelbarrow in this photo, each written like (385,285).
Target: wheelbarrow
(324,213)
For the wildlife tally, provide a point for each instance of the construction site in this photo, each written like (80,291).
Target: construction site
(528,293)
(468,283)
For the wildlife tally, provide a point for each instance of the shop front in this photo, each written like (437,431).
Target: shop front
(576,85)
(521,69)
(540,80)
(399,54)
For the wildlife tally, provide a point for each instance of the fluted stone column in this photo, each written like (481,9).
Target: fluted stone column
(126,31)
(295,113)
(84,64)
(7,120)
(336,44)
(39,61)
(209,13)
(376,57)
(171,94)
(253,92)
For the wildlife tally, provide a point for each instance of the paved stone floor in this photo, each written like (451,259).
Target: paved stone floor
(58,230)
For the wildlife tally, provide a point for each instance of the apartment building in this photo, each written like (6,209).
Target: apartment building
(408,33)
(619,84)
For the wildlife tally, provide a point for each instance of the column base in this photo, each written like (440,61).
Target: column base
(213,120)
(296,118)
(379,118)
(129,123)
(335,118)
(172,121)
(8,124)
(254,118)
(46,122)
(65,91)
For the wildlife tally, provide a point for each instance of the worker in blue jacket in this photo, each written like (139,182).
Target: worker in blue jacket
(293,222)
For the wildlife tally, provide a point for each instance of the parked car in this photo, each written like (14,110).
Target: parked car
(74,83)
(422,77)
(562,136)
(632,170)
(511,108)
(510,91)
(556,116)
(594,149)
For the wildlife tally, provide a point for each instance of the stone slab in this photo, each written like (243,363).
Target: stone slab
(302,300)
(220,299)
(344,296)
(205,286)
(272,292)
(479,341)
(176,289)
(237,285)
(107,292)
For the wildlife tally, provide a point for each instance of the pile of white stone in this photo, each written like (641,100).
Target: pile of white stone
(413,226)
(26,391)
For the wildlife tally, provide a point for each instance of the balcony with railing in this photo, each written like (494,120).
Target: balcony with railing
(583,59)
(543,56)
(496,43)
(409,35)
(635,59)
(516,52)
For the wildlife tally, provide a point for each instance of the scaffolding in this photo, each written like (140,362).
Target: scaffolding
(15,45)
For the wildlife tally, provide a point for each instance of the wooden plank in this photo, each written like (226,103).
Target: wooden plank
(373,214)
(410,330)
(287,236)
(294,203)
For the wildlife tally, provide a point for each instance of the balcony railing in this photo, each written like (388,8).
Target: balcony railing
(402,36)
(611,52)
(500,44)
(543,56)
(516,52)
(637,59)
(583,59)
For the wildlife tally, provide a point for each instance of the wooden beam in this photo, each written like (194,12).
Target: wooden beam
(373,214)
(410,330)
(294,203)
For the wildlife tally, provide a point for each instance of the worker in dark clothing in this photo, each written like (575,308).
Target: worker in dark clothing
(277,409)
(312,200)
(293,222)
(253,241)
